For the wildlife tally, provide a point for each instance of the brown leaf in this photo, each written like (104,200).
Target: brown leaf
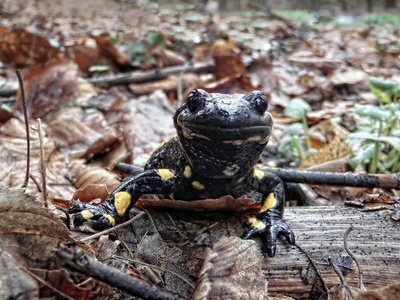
(232,270)
(88,175)
(20,48)
(167,58)
(222,203)
(29,233)
(389,292)
(50,86)
(350,77)
(91,192)
(85,57)
(108,50)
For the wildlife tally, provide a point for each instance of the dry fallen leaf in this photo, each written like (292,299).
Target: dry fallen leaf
(51,86)
(19,48)
(29,235)
(232,270)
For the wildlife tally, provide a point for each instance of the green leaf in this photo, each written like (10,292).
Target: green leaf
(381,95)
(392,140)
(297,108)
(138,48)
(260,26)
(155,39)
(383,84)
(99,68)
(192,19)
(292,129)
(363,155)
(372,111)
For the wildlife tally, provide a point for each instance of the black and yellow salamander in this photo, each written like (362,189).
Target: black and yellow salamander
(219,141)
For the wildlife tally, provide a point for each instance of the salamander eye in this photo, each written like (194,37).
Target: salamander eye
(258,100)
(195,100)
(261,104)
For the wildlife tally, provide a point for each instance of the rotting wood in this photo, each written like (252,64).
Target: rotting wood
(320,231)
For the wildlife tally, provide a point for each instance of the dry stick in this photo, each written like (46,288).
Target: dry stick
(93,236)
(155,267)
(42,163)
(351,254)
(314,267)
(35,182)
(28,138)
(74,259)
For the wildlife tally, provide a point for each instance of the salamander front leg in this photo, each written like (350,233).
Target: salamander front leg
(269,221)
(121,200)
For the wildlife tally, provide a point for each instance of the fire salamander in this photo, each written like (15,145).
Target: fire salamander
(219,141)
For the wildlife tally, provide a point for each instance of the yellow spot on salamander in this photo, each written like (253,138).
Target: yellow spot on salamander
(86,214)
(255,138)
(122,200)
(111,219)
(269,203)
(197,185)
(165,174)
(258,173)
(235,142)
(254,222)
(272,164)
(231,170)
(187,173)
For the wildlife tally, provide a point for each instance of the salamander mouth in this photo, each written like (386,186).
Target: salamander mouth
(232,135)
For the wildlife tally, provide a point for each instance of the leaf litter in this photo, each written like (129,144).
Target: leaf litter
(90,127)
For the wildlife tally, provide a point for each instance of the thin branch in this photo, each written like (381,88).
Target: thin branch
(74,259)
(28,138)
(93,236)
(42,163)
(351,254)
(314,267)
(155,267)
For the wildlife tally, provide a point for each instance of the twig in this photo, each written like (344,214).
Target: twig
(346,247)
(155,267)
(42,163)
(314,267)
(74,259)
(389,181)
(93,236)
(68,221)
(28,138)
(35,182)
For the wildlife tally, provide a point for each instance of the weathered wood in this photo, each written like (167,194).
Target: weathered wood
(375,241)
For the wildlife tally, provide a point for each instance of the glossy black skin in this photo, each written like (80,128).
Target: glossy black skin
(220,139)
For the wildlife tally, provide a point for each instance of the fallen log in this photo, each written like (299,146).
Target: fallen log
(375,242)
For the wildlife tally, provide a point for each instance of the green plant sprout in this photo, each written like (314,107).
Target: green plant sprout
(376,142)
(297,108)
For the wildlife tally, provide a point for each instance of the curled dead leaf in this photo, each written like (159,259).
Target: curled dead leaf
(20,48)
(88,175)
(91,192)
(51,86)
(167,58)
